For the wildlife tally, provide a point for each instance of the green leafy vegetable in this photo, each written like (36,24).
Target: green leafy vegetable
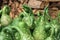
(5,18)
(23,31)
(51,37)
(43,26)
(28,16)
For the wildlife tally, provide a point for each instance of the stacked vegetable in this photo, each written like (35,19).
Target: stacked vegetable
(26,27)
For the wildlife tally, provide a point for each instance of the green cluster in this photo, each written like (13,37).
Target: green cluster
(26,26)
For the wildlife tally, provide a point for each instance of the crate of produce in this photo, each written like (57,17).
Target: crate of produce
(29,20)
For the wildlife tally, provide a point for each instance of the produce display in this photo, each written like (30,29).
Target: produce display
(26,26)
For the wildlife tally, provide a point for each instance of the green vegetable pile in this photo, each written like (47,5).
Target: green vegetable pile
(26,27)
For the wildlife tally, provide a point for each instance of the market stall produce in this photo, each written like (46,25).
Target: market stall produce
(22,20)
